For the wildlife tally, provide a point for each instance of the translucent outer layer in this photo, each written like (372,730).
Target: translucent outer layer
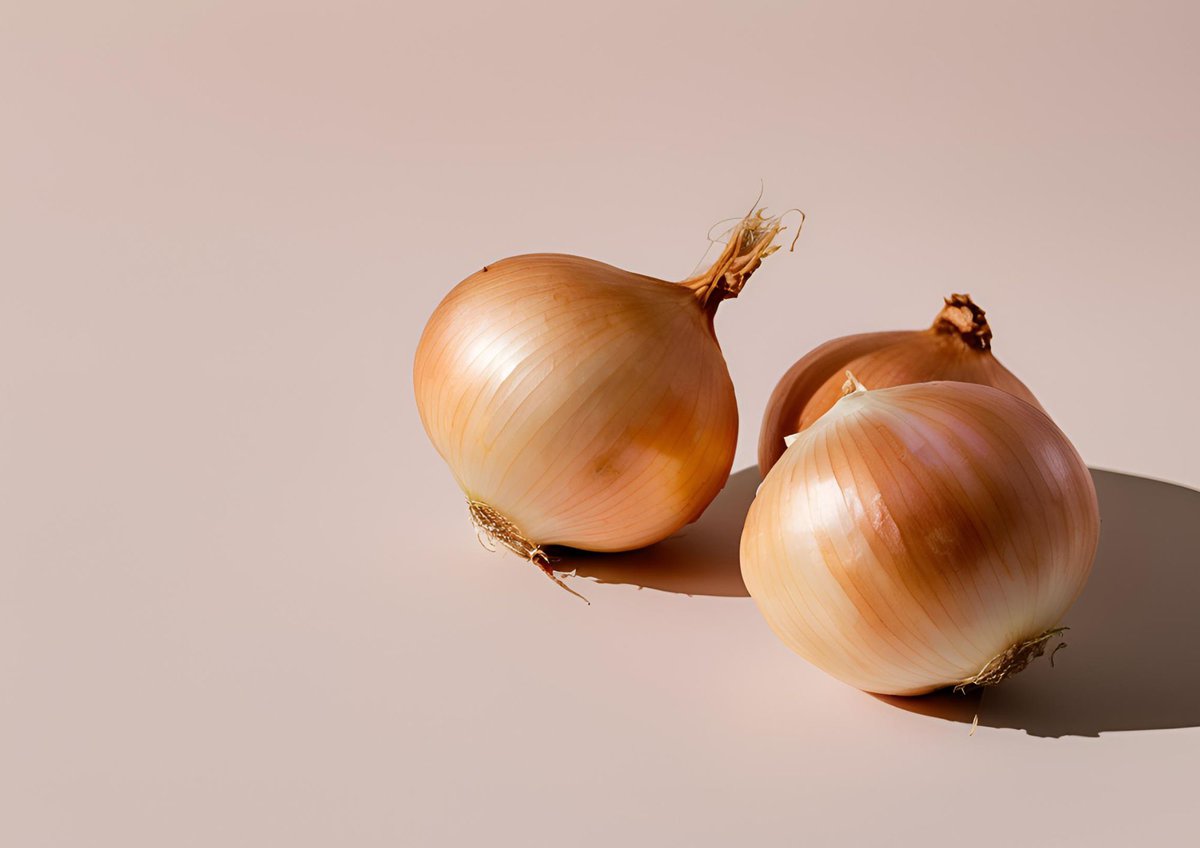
(589,405)
(912,534)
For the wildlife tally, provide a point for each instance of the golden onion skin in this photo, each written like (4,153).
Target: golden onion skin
(957,347)
(589,405)
(913,534)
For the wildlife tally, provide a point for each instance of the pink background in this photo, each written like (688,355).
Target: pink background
(240,603)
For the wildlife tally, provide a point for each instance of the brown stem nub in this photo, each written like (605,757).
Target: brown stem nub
(962,317)
(496,528)
(1009,662)
(750,242)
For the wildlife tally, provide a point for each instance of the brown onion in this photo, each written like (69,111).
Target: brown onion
(922,536)
(958,347)
(583,405)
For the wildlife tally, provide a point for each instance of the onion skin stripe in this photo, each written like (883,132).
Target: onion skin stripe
(874,468)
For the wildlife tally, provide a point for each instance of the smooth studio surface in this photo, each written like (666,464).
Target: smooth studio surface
(240,601)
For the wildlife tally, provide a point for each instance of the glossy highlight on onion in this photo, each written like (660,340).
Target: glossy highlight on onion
(957,346)
(922,536)
(582,405)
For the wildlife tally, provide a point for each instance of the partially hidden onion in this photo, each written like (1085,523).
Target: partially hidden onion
(958,347)
(582,405)
(922,536)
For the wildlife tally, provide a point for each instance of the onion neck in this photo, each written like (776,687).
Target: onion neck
(961,317)
(750,242)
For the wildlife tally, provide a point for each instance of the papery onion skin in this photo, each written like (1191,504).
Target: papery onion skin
(957,347)
(913,534)
(590,406)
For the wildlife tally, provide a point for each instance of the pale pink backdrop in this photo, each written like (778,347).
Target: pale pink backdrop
(240,603)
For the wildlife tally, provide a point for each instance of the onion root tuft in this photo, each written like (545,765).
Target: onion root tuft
(1011,661)
(493,526)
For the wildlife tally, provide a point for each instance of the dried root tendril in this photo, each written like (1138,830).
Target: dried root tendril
(1011,661)
(492,527)
(751,240)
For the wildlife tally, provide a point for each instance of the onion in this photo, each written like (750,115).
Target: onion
(958,346)
(579,404)
(922,536)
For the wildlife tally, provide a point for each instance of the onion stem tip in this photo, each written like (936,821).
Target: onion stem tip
(852,385)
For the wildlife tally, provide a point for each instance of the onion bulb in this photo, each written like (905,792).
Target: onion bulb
(958,346)
(922,536)
(578,404)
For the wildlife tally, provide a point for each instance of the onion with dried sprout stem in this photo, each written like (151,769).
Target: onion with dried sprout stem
(922,536)
(578,404)
(957,346)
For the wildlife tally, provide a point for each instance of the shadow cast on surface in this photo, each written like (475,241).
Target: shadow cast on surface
(701,559)
(1133,661)
(1133,655)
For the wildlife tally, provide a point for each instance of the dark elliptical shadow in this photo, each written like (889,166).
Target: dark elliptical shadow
(1132,660)
(701,559)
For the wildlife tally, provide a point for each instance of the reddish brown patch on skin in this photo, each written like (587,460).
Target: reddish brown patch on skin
(941,548)
(606,464)
(891,487)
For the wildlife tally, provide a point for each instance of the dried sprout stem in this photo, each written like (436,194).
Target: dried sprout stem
(1009,662)
(751,240)
(493,526)
(962,317)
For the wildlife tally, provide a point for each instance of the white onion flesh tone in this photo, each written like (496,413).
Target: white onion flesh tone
(922,536)
(578,404)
